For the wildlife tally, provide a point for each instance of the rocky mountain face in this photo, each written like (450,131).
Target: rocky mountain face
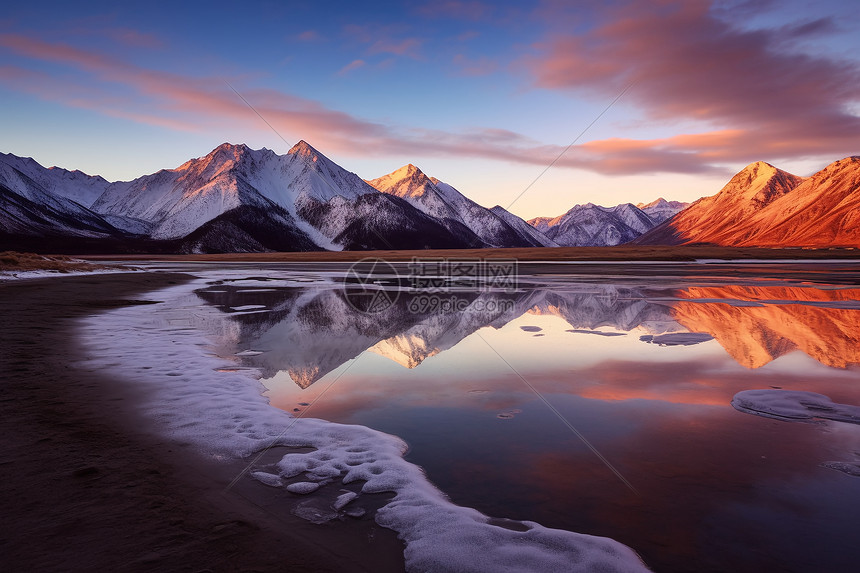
(462,216)
(763,206)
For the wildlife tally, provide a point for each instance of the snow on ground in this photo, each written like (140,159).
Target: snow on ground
(43,273)
(201,399)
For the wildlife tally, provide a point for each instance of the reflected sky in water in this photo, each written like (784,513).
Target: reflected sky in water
(716,489)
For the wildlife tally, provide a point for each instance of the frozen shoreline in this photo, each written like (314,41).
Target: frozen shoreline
(224,414)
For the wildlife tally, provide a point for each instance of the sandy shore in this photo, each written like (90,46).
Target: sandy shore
(86,484)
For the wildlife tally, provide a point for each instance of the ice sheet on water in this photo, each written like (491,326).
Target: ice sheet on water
(677,338)
(850,468)
(597,332)
(794,405)
(225,414)
(247,307)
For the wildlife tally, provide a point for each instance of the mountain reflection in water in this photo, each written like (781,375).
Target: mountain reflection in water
(719,490)
(310,331)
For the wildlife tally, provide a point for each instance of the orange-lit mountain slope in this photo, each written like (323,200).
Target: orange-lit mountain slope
(822,211)
(710,218)
(755,335)
(765,207)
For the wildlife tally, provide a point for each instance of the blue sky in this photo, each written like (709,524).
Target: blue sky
(482,95)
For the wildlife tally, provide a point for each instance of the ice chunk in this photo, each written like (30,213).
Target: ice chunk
(268,479)
(315,511)
(303,487)
(598,332)
(344,499)
(794,405)
(677,338)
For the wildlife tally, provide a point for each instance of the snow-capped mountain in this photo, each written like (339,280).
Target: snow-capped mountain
(178,201)
(32,181)
(475,224)
(40,202)
(734,215)
(239,199)
(308,199)
(522,227)
(591,225)
(660,210)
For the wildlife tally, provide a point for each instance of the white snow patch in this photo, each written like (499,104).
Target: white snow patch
(225,414)
(41,274)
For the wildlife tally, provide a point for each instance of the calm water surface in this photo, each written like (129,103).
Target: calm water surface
(582,402)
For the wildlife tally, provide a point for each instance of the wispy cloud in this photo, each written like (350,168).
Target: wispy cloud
(760,99)
(309,36)
(117,88)
(353,65)
(389,39)
(184,103)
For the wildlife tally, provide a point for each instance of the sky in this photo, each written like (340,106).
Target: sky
(534,106)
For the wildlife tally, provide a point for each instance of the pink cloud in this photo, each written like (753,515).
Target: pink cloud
(188,103)
(353,65)
(686,63)
(308,36)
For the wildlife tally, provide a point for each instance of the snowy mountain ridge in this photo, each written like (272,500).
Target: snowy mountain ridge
(301,195)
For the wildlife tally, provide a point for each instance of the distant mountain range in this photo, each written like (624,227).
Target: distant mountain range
(236,199)
(592,225)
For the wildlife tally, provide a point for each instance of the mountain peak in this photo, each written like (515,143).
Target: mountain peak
(303,148)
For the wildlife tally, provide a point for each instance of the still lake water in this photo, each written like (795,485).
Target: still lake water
(579,399)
